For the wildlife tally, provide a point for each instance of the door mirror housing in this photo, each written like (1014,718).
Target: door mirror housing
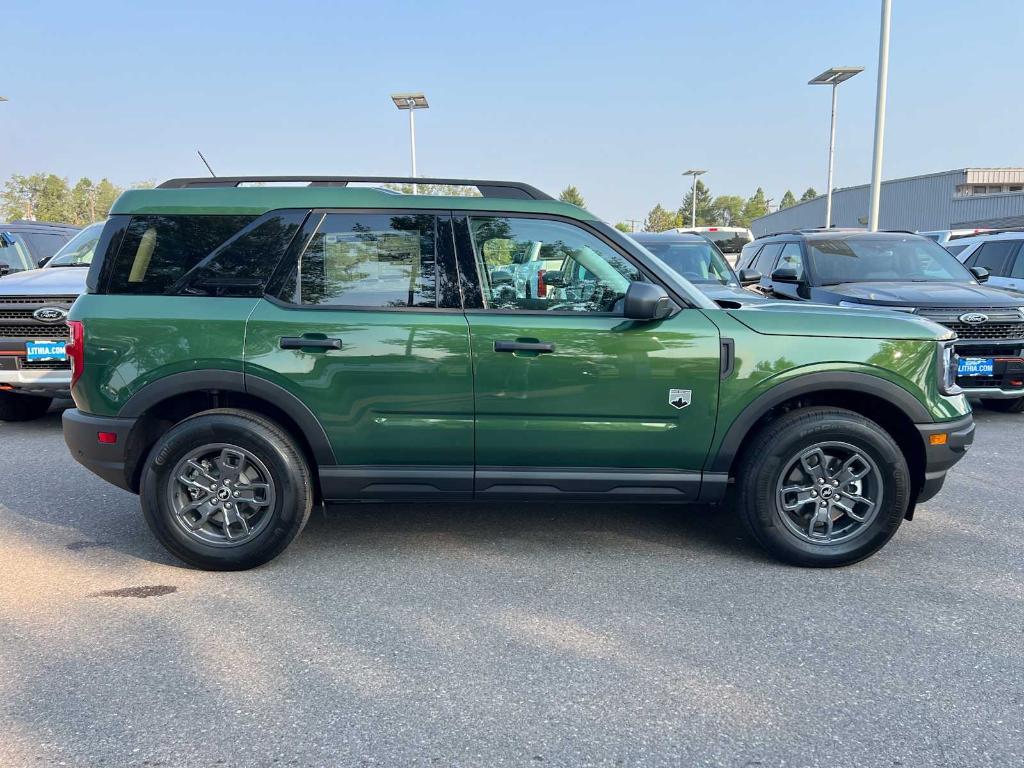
(980,274)
(749,276)
(43,261)
(553,279)
(646,301)
(786,275)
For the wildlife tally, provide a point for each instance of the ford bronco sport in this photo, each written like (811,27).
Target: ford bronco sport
(243,352)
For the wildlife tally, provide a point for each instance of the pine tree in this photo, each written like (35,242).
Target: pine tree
(658,220)
(810,194)
(755,207)
(572,196)
(788,200)
(705,207)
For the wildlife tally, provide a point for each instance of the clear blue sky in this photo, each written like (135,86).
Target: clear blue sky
(617,98)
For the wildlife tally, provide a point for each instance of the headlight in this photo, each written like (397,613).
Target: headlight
(948,361)
(858,305)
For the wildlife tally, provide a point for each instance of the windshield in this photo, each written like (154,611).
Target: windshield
(14,253)
(730,242)
(698,261)
(878,260)
(77,252)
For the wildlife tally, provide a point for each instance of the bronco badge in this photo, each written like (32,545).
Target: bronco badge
(679,398)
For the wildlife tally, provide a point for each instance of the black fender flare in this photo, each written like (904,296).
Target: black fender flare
(235,381)
(806,384)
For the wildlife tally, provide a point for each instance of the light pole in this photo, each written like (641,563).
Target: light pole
(883,82)
(833,76)
(411,102)
(693,193)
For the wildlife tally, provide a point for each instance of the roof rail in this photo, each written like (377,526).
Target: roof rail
(812,231)
(507,189)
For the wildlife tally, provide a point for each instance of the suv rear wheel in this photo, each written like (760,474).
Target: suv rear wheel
(1005,406)
(226,490)
(823,487)
(22,407)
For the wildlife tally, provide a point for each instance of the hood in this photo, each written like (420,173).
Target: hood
(55,281)
(719,292)
(788,318)
(932,294)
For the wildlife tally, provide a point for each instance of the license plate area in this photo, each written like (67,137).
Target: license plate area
(975,366)
(39,351)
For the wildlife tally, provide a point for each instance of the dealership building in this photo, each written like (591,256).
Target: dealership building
(960,199)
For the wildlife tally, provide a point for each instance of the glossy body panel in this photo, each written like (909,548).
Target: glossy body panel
(601,399)
(131,341)
(792,319)
(398,392)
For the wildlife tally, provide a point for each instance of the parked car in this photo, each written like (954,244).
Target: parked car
(34,303)
(41,238)
(1000,254)
(912,274)
(945,237)
(698,259)
(243,352)
(730,240)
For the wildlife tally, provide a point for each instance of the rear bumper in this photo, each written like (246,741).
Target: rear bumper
(940,458)
(108,460)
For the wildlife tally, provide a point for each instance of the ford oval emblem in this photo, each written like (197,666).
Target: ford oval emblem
(50,314)
(973,318)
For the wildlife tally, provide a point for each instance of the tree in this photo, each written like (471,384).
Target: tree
(727,211)
(788,200)
(810,194)
(755,207)
(572,195)
(705,207)
(658,220)
(623,227)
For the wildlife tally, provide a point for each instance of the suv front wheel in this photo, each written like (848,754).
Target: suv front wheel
(823,487)
(226,490)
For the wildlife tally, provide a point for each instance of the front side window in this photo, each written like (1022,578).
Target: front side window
(992,255)
(542,265)
(14,255)
(883,259)
(386,261)
(791,258)
(766,258)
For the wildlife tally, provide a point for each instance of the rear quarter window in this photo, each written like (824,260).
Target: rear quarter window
(158,250)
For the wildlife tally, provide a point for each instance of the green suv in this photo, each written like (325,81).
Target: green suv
(247,349)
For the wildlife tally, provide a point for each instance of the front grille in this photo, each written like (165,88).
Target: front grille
(33,332)
(45,365)
(988,331)
(40,301)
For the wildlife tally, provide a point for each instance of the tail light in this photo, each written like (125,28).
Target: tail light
(75,349)
(542,287)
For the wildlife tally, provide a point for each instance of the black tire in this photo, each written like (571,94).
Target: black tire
(270,445)
(1005,406)
(773,449)
(22,407)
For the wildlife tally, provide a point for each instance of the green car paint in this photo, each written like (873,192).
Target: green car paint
(426,388)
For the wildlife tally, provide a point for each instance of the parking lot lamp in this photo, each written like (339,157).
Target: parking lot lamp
(411,102)
(883,83)
(693,194)
(833,76)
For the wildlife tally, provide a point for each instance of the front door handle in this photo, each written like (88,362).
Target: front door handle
(304,342)
(540,347)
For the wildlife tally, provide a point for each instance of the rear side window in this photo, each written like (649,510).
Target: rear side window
(386,261)
(157,251)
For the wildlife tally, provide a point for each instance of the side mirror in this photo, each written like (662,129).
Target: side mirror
(502,277)
(749,276)
(785,275)
(553,279)
(980,273)
(646,301)
(43,261)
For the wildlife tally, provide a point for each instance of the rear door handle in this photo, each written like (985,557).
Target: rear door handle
(302,342)
(541,347)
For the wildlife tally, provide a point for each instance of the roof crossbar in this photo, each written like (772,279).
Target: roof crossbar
(506,189)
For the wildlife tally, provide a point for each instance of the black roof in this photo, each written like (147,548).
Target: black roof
(21,224)
(676,236)
(839,233)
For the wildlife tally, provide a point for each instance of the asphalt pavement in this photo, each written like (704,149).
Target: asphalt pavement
(491,635)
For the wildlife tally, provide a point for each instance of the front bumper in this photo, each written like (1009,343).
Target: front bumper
(106,459)
(48,382)
(1007,379)
(940,457)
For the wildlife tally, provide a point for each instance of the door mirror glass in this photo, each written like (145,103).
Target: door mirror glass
(749,276)
(646,301)
(980,273)
(553,279)
(785,275)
